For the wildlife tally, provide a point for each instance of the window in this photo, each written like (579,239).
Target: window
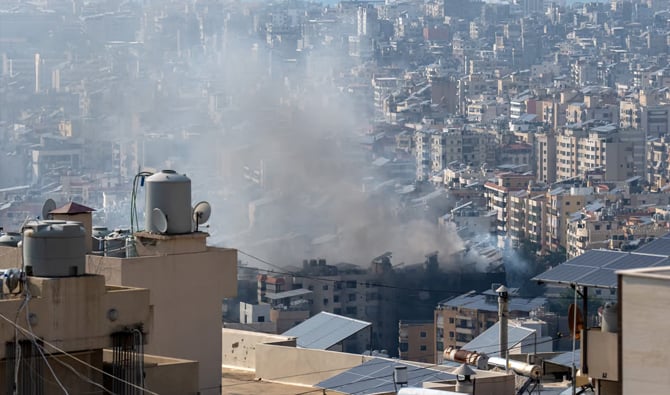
(403,347)
(451,320)
(325,301)
(422,334)
(311,288)
(325,287)
(336,298)
(261,318)
(351,284)
(451,334)
(423,348)
(337,310)
(352,310)
(352,297)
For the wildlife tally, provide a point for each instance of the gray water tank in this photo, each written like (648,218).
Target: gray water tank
(55,248)
(10,239)
(171,193)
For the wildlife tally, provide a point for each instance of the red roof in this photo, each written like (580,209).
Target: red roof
(72,208)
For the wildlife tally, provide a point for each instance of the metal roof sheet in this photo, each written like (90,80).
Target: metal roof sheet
(376,377)
(488,342)
(325,330)
(565,359)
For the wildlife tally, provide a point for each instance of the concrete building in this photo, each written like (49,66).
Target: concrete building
(165,263)
(460,319)
(75,331)
(416,341)
(498,196)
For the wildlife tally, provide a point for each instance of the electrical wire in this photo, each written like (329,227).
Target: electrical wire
(34,340)
(56,348)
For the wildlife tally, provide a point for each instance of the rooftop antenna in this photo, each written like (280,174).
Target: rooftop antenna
(48,206)
(201,213)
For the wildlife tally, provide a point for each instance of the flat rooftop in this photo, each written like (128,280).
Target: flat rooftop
(240,382)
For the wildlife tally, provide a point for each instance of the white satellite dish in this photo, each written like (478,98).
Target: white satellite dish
(48,206)
(201,213)
(159,220)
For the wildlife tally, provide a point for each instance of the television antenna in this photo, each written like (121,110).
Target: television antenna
(48,206)
(201,213)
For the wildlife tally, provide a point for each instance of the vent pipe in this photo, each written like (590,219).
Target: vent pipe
(503,313)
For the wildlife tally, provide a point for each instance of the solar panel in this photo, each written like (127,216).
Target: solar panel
(597,268)
(634,261)
(596,258)
(659,246)
(325,330)
(565,273)
(376,376)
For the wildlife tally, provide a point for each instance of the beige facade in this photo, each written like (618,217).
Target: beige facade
(276,359)
(416,341)
(644,338)
(188,281)
(80,315)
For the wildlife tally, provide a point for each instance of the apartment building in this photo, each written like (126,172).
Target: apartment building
(435,149)
(560,204)
(497,196)
(658,162)
(343,289)
(619,153)
(460,319)
(545,157)
(416,340)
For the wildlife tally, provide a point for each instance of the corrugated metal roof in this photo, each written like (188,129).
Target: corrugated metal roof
(325,330)
(488,342)
(565,359)
(376,377)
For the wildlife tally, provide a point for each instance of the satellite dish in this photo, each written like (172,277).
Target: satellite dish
(201,213)
(12,278)
(48,207)
(575,327)
(159,220)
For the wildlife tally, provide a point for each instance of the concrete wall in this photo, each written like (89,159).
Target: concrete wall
(72,312)
(70,381)
(186,292)
(238,348)
(167,376)
(300,365)
(645,339)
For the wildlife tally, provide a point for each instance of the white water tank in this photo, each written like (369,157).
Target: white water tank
(10,239)
(54,248)
(171,193)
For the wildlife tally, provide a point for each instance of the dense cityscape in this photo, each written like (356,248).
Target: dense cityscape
(474,191)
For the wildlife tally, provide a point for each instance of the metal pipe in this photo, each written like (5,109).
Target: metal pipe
(503,314)
(521,368)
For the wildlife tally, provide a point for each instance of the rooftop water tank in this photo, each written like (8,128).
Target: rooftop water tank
(10,239)
(98,235)
(171,194)
(115,243)
(54,248)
